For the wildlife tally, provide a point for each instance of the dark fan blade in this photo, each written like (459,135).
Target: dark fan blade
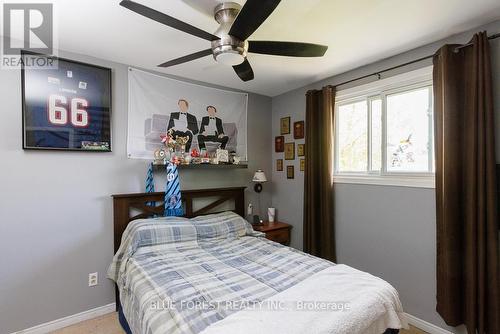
(244,70)
(251,16)
(187,58)
(167,20)
(291,49)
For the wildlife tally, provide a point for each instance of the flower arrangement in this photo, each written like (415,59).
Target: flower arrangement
(168,140)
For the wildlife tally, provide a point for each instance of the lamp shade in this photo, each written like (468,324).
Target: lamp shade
(259,176)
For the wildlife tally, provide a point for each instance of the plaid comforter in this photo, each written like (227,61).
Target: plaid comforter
(179,276)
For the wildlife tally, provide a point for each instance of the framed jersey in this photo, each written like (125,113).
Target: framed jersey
(67,106)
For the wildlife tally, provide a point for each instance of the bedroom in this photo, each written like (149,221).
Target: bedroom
(360,189)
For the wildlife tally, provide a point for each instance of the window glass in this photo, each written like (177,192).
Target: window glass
(408,131)
(352,137)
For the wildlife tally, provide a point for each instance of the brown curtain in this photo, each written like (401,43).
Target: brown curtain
(466,201)
(319,229)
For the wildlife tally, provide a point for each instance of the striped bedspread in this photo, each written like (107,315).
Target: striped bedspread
(180,276)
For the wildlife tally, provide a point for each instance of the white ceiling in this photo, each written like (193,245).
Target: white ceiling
(357,32)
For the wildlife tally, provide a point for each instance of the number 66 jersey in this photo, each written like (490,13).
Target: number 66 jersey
(67,107)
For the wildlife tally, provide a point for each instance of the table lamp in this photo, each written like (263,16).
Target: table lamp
(259,177)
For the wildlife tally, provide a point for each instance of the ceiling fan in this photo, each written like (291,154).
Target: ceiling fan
(229,42)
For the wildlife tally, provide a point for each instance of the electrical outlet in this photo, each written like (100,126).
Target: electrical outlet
(93,279)
(250,209)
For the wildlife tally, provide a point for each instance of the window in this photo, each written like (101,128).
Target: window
(384,132)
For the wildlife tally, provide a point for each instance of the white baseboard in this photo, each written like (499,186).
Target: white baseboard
(425,326)
(102,310)
(69,320)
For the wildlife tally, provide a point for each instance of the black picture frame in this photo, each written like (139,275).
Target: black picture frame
(106,107)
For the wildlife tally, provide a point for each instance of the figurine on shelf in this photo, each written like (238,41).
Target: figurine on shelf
(160,157)
(195,156)
(213,159)
(205,159)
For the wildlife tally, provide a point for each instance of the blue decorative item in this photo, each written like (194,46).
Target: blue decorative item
(150,183)
(173,203)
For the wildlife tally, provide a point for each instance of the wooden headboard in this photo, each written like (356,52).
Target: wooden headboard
(128,207)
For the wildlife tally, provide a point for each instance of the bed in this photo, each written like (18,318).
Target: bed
(210,272)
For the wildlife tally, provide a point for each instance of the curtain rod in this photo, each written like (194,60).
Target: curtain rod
(384,70)
(469,44)
(407,63)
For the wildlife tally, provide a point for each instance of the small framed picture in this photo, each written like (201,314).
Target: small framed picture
(222,155)
(279,144)
(289,151)
(290,172)
(285,125)
(301,150)
(298,130)
(302,165)
(279,165)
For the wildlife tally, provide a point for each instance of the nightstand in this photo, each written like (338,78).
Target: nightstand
(277,231)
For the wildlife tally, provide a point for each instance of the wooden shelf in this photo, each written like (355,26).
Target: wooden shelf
(204,166)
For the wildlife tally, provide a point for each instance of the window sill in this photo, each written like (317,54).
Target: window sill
(423,181)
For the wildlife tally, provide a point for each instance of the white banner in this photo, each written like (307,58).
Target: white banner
(211,118)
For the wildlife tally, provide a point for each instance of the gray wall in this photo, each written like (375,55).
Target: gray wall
(387,231)
(56,210)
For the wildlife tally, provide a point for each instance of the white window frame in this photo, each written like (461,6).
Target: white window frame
(379,90)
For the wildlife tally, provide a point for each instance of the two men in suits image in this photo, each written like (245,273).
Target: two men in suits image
(211,130)
(183,123)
